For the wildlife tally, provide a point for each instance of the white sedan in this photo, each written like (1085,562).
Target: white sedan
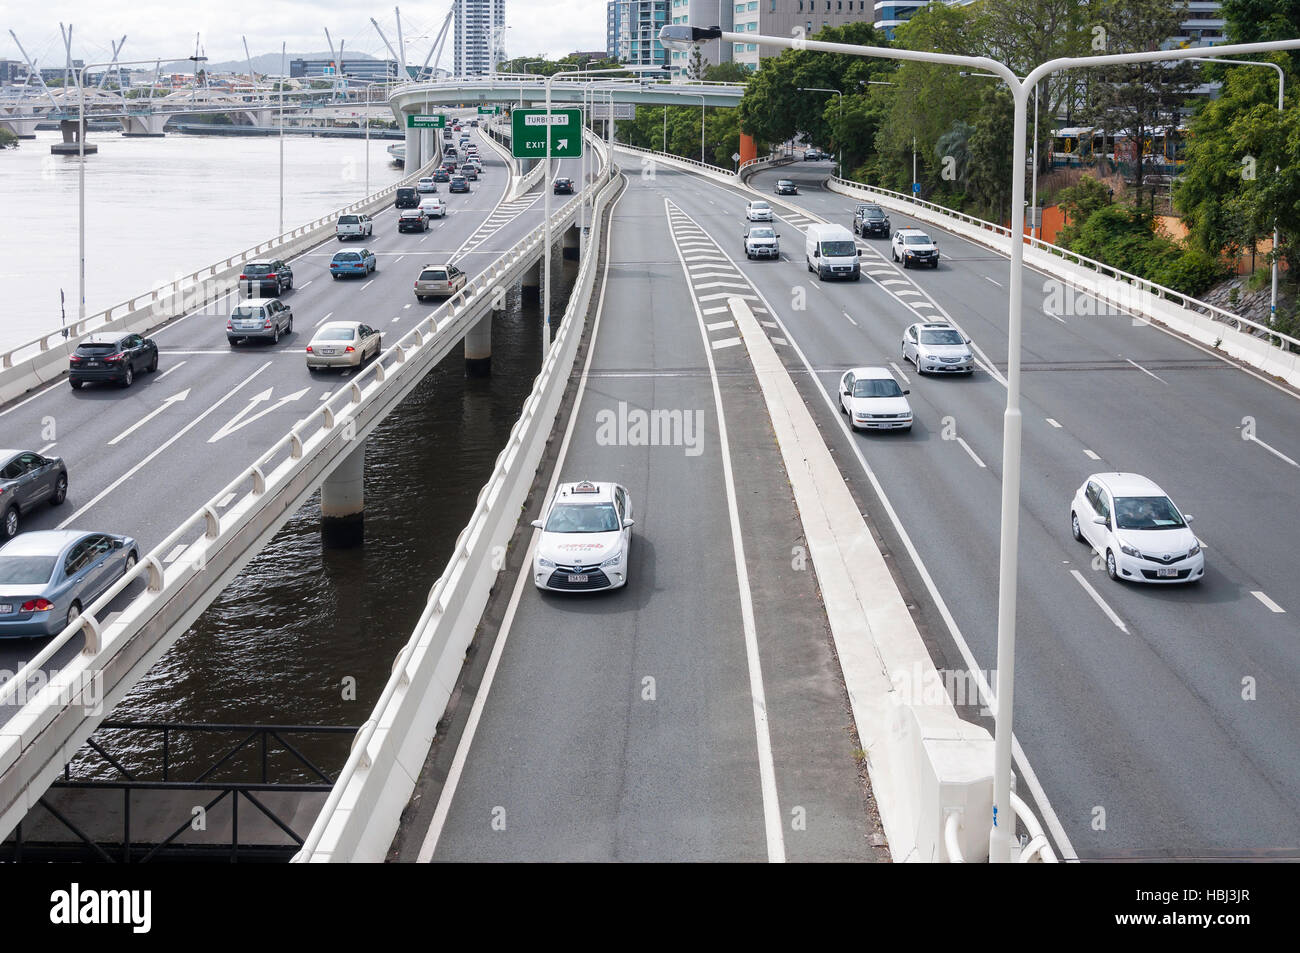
(758,211)
(433,208)
(585,539)
(873,400)
(343,344)
(1136,529)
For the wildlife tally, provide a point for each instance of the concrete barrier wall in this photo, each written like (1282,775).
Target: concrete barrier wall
(362,813)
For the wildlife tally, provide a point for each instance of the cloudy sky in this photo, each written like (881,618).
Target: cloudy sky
(552,27)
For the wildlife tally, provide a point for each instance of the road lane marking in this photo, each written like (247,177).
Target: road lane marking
(174,399)
(1090,455)
(242,420)
(719,325)
(47,448)
(965,446)
(448,792)
(1277,453)
(324,319)
(175,367)
(368,284)
(850,317)
(306,283)
(1055,317)
(1096,597)
(987,278)
(1052,422)
(899,371)
(1146,372)
(724,342)
(147,460)
(1272,606)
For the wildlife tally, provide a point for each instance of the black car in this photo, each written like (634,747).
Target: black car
(407,197)
(458,184)
(786,187)
(112,357)
(267,278)
(27,478)
(563,187)
(412,220)
(870,220)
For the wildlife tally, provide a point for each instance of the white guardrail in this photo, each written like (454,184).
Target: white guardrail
(717,173)
(1248,341)
(361,815)
(46,731)
(45,358)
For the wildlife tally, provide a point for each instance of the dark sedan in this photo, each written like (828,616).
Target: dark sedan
(786,187)
(49,577)
(116,358)
(26,479)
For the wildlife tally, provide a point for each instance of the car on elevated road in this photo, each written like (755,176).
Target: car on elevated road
(873,400)
(261,319)
(433,207)
(562,186)
(265,278)
(426,185)
(870,219)
(1133,525)
(912,246)
(48,577)
(761,241)
(354,226)
(413,220)
(111,358)
(458,184)
(758,211)
(586,536)
(938,348)
(438,281)
(26,479)
(357,262)
(343,344)
(442,175)
(786,187)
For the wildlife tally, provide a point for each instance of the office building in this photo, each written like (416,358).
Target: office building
(632,30)
(371,70)
(480,36)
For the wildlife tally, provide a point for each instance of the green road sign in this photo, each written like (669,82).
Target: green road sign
(528,133)
(426,122)
(488,110)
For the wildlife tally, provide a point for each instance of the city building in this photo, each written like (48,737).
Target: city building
(635,26)
(367,69)
(12,72)
(480,29)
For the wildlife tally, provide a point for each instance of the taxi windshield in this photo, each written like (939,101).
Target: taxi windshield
(583,518)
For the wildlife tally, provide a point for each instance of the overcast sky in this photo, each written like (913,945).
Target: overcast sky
(166,30)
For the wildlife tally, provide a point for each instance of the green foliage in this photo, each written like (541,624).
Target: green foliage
(7,139)
(727,73)
(991,170)
(1191,272)
(1257,21)
(1079,202)
(539,65)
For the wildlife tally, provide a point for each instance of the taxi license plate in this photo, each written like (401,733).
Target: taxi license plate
(1167,573)
(6,608)
(577,577)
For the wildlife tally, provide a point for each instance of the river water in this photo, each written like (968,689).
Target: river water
(157,209)
(302,636)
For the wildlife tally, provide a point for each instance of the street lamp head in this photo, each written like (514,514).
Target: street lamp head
(681,37)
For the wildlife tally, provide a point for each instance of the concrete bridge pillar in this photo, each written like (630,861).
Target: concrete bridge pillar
(478,347)
(532,283)
(413,150)
(343,502)
(20,122)
(71,144)
(427,145)
(571,244)
(145,124)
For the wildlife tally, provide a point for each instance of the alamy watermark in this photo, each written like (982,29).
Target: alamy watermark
(635,427)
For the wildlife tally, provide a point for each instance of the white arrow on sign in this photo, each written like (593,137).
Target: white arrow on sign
(242,419)
(144,420)
(561,144)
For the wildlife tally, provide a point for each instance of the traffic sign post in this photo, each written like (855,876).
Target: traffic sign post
(528,133)
(436,121)
(488,110)
(916,188)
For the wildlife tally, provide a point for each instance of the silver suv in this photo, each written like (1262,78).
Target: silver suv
(260,319)
(761,242)
(938,348)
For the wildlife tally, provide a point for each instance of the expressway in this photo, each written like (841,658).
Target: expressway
(1141,710)
(141,460)
(697,714)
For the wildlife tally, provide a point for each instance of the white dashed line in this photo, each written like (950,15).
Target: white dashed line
(1146,372)
(174,367)
(965,446)
(725,342)
(719,325)
(47,448)
(1096,597)
(368,284)
(1052,422)
(850,318)
(1277,453)
(899,371)
(987,278)
(1055,317)
(324,319)
(1090,455)
(1272,606)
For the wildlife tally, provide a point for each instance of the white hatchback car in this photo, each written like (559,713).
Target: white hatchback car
(342,344)
(1136,529)
(938,348)
(758,211)
(585,539)
(873,400)
(433,207)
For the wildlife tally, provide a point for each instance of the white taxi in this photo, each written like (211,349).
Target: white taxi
(586,534)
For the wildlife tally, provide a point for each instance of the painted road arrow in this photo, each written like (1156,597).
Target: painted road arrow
(242,419)
(144,420)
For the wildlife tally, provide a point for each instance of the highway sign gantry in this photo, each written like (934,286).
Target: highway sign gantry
(488,110)
(528,133)
(435,121)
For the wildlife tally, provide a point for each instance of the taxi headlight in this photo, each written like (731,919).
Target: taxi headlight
(612,560)
(545,563)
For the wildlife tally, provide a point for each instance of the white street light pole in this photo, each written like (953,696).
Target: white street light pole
(284,75)
(1281,105)
(81,170)
(839,149)
(676,36)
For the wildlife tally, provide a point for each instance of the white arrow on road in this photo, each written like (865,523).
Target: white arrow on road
(242,419)
(144,420)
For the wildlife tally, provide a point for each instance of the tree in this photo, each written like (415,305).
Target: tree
(695,65)
(1257,21)
(1079,202)
(991,169)
(728,72)
(953,152)
(1134,101)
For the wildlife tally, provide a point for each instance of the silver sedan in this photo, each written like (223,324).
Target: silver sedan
(343,344)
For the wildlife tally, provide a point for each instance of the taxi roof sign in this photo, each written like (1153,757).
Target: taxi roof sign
(586,486)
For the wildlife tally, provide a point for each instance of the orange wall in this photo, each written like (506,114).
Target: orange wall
(748,148)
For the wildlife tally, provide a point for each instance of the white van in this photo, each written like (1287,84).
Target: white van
(831,252)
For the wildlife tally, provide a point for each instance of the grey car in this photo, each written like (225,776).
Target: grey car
(26,479)
(48,577)
(259,320)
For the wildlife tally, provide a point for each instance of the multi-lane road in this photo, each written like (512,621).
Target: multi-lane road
(141,460)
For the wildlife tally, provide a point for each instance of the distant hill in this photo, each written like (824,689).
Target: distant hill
(268,63)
